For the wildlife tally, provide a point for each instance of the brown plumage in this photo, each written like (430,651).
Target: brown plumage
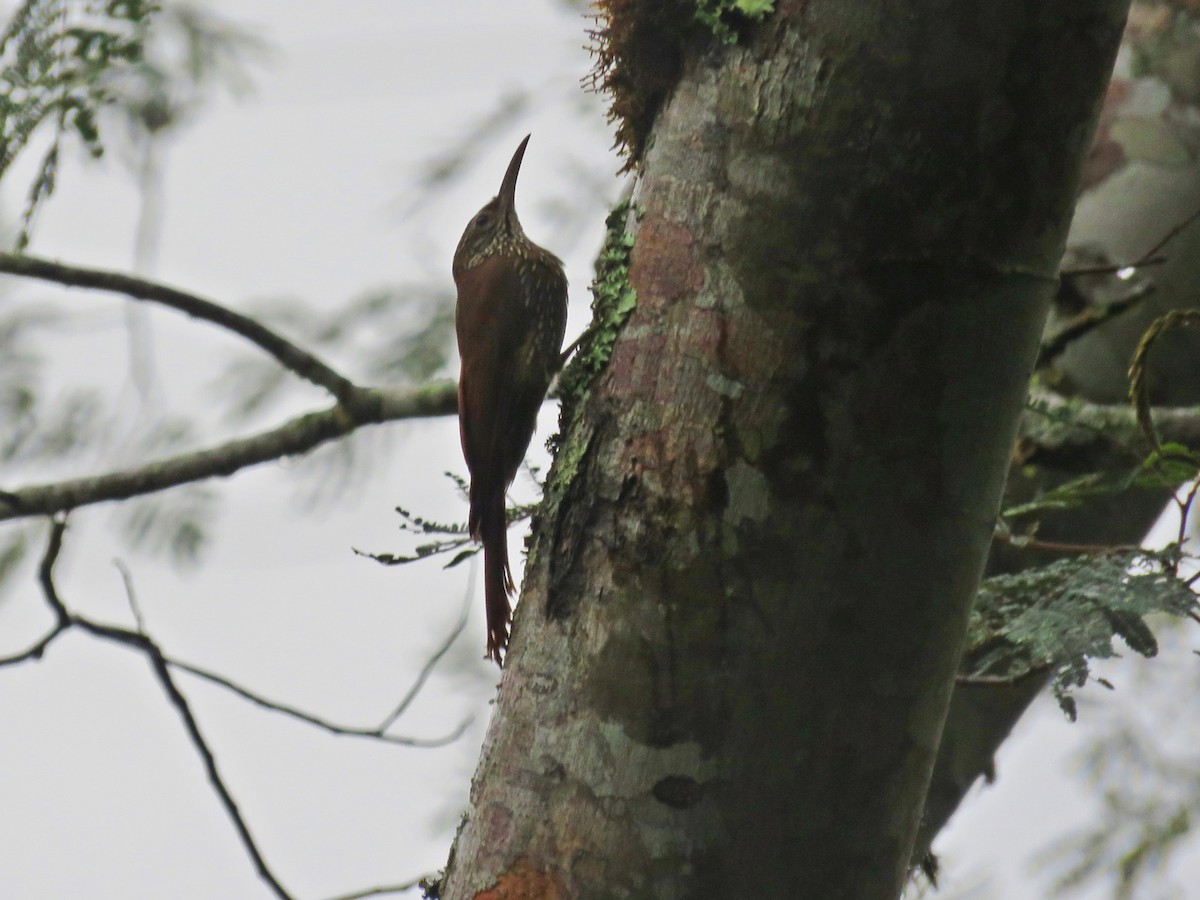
(510,319)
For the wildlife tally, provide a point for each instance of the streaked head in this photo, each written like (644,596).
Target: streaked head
(495,227)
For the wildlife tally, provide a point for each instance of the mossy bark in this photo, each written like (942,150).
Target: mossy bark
(741,617)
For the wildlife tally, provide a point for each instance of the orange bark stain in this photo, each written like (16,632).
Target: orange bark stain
(524,881)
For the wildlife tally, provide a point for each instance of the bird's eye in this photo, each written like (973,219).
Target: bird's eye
(483,220)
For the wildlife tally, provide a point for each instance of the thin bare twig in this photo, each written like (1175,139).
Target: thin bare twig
(1139,389)
(1168,237)
(1093,319)
(1151,257)
(58,527)
(382,891)
(303,363)
(1088,322)
(162,665)
(62,618)
(1114,268)
(158,663)
(1185,509)
(34,652)
(162,670)
(295,436)
(316,721)
(130,596)
(419,681)
(308,718)
(999,680)
(1032,543)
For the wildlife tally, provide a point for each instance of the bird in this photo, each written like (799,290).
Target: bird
(510,318)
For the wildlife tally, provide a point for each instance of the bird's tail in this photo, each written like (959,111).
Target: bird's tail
(491,528)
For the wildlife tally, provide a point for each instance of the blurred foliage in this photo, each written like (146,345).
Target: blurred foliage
(66,64)
(52,433)
(1058,617)
(57,60)
(174,524)
(1163,469)
(1145,772)
(466,149)
(1166,45)
(399,336)
(34,431)
(64,61)
(393,335)
(189,55)
(14,549)
(448,536)
(18,378)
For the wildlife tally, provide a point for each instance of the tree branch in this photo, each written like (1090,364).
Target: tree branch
(1093,318)
(46,578)
(378,733)
(34,652)
(1086,323)
(162,665)
(298,435)
(303,363)
(46,574)
(158,662)
(1078,436)
(162,671)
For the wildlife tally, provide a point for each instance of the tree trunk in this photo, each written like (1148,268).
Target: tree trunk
(747,593)
(1138,191)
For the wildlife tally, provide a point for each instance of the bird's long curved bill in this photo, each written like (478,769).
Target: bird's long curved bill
(508,187)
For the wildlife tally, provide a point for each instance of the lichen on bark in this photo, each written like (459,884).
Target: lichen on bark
(613,299)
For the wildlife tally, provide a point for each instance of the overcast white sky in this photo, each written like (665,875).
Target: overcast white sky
(298,191)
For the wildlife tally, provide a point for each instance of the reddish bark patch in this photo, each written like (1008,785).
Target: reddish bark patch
(755,348)
(665,263)
(701,335)
(524,881)
(636,365)
(498,825)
